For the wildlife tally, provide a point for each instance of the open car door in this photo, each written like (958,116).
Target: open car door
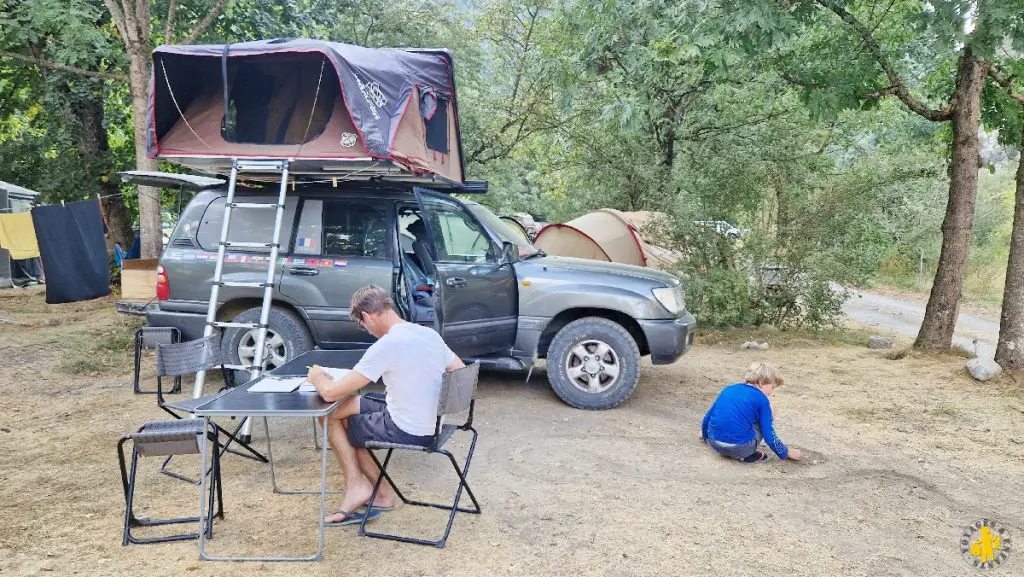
(475,291)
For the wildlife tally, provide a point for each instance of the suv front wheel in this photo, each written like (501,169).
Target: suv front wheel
(593,363)
(287,338)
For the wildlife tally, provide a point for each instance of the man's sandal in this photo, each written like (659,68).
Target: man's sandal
(353,518)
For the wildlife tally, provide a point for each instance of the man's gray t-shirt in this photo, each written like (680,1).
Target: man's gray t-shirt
(412,360)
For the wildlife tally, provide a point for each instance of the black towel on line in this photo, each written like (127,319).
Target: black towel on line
(73,252)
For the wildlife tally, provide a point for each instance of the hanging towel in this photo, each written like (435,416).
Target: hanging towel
(18,235)
(73,252)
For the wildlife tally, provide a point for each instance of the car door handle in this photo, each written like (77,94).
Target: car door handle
(455,281)
(303,271)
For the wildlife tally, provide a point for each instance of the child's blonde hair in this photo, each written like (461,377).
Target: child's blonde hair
(762,373)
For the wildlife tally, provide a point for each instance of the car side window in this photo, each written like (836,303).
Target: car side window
(458,236)
(352,229)
(309,237)
(246,225)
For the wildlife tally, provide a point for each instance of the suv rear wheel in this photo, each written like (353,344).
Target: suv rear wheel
(287,338)
(593,363)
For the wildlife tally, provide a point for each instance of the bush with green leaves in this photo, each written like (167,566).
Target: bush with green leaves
(751,280)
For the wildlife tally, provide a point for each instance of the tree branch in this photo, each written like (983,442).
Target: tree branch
(1006,82)
(214,12)
(879,93)
(64,67)
(169,22)
(117,15)
(794,80)
(898,88)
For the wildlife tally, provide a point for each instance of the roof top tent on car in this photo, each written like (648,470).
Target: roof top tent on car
(336,110)
(296,110)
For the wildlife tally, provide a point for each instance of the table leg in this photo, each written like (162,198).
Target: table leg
(202,490)
(270,459)
(323,485)
(270,463)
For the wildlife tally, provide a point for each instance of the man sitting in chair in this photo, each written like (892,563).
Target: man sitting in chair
(412,359)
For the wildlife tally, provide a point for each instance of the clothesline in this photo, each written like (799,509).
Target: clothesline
(101,197)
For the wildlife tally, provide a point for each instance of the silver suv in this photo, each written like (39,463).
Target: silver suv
(450,264)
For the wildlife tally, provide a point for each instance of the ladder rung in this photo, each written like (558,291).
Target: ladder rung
(243,284)
(224,325)
(236,244)
(254,205)
(261,165)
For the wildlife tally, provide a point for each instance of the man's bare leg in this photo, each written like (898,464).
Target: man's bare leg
(357,487)
(385,495)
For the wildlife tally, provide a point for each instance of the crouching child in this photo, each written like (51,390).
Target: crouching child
(741,417)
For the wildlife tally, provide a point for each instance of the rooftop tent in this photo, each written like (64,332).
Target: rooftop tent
(337,109)
(605,234)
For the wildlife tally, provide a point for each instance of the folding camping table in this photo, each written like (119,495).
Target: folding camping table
(240,402)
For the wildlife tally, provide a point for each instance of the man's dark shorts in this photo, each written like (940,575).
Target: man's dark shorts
(373,423)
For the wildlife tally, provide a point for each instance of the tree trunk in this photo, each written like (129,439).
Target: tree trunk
(944,302)
(94,150)
(150,226)
(1010,350)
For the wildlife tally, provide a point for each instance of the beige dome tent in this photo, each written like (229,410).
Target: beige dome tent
(609,235)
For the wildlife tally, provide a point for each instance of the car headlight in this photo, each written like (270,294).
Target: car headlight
(672,298)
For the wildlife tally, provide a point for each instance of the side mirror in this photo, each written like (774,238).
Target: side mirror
(509,254)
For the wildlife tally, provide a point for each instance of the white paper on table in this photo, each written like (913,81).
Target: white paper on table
(334,373)
(277,385)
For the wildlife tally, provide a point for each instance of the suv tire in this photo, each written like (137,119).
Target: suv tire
(286,335)
(593,363)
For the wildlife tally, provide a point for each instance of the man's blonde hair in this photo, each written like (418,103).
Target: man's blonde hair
(763,374)
(370,299)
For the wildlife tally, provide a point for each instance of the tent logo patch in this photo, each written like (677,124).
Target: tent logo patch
(348,139)
(373,95)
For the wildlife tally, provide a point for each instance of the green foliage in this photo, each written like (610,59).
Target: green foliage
(769,115)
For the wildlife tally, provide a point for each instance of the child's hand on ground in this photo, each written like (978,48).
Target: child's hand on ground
(795,455)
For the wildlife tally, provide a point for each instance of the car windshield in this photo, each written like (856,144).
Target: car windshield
(503,230)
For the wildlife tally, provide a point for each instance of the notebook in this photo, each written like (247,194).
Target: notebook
(334,373)
(277,384)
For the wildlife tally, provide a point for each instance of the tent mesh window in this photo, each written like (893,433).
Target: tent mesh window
(278,99)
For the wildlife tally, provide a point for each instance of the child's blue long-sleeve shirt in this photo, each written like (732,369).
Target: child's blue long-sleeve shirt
(734,413)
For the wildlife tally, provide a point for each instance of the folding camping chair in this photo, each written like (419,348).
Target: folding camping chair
(147,338)
(176,359)
(160,438)
(458,394)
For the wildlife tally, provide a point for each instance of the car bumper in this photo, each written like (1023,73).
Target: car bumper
(669,339)
(191,325)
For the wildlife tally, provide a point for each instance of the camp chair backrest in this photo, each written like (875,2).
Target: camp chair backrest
(188,357)
(458,388)
(150,337)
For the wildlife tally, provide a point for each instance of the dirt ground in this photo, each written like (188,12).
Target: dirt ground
(905,453)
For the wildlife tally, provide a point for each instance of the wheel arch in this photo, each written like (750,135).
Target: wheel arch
(234,307)
(569,315)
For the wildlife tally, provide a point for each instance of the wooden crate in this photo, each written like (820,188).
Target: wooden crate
(138,279)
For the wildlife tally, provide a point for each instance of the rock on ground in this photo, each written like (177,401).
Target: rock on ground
(877,342)
(983,369)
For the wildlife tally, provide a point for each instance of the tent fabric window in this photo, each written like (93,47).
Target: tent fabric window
(434,109)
